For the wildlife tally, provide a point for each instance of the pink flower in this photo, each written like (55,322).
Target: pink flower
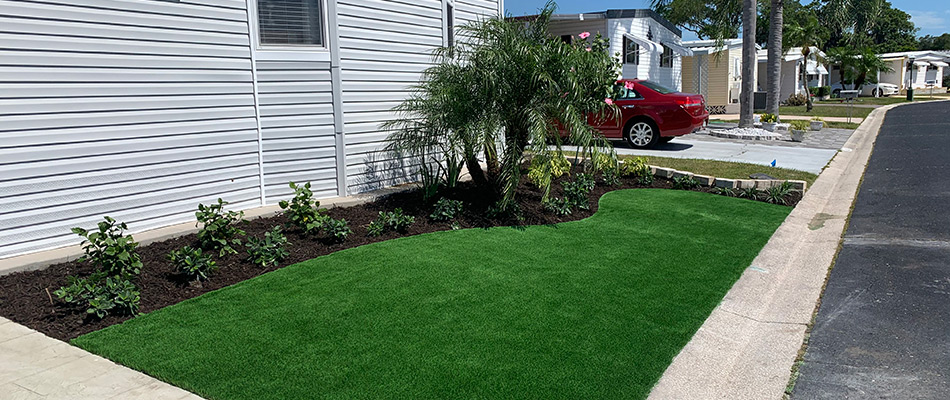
(584,35)
(628,85)
(609,101)
(588,49)
(564,95)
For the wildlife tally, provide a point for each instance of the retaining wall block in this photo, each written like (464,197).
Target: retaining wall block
(664,172)
(705,180)
(745,183)
(725,183)
(677,174)
(763,184)
(798,185)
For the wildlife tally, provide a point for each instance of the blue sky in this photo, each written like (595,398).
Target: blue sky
(931,16)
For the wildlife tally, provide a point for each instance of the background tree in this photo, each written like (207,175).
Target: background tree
(775,58)
(505,87)
(748,63)
(893,32)
(709,19)
(809,36)
(929,42)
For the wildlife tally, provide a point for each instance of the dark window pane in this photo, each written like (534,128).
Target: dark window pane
(450,24)
(291,22)
(631,51)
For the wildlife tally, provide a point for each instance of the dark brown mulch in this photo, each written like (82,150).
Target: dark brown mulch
(26,297)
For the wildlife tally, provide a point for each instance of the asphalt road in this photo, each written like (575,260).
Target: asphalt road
(883,328)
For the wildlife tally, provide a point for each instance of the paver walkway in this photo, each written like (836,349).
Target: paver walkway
(883,329)
(828,138)
(35,366)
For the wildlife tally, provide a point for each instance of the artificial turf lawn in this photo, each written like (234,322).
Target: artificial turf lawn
(595,308)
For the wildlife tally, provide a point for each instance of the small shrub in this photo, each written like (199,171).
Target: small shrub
(769,118)
(391,221)
(101,295)
(269,250)
(193,263)
(219,229)
(577,193)
(587,181)
(800,125)
(543,169)
(338,229)
(817,119)
(778,194)
(797,100)
(559,206)
(724,191)
(637,169)
(611,176)
(302,211)
(685,183)
(109,250)
(446,210)
(497,211)
(749,193)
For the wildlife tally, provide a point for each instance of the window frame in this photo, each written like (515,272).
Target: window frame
(277,49)
(666,59)
(448,23)
(626,53)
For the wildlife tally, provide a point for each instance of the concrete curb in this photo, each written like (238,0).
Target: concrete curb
(747,345)
(43,259)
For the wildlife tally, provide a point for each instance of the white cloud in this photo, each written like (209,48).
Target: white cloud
(928,19)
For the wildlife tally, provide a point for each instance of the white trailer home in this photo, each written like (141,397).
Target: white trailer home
(816,71)
(915,69)
(142,109)
(715,71)
(648,45)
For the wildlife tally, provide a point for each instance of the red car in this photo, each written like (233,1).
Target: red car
(651,114)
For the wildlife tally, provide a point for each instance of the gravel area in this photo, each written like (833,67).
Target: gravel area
(825,139)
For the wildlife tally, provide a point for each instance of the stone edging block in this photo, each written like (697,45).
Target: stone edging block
(705,180)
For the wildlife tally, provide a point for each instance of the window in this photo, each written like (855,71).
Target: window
(450,24)
(290,22)
(656,87)
(622,93)
(666,60)
(631,52)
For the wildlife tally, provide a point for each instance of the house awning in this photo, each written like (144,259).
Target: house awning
(939,64)
(647,44)
(678,49)
(813,68)
(921,63)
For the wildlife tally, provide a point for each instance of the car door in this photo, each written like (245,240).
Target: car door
(610,123)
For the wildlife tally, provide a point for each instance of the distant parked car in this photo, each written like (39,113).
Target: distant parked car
(651,114)
(867,89)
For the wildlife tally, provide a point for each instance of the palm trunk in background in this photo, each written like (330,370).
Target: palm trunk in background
(774,72)
(748,63)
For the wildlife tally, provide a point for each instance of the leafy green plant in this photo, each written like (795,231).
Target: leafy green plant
(749,193)
(269,250)
(611,176)
(797,100)
(193,263)
(219,229)
(800,125)
(446,210)
(724,191)
(817,119)
(778,194)
(685,183)
(559,206)
(101,295)
(577,194)
(769,118)
(109,250)
(394,221)
(302,211)
(338,229)
(637,169)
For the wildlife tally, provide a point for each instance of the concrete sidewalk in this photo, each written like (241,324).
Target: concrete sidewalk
(786,118)
(35,366)
(746,347)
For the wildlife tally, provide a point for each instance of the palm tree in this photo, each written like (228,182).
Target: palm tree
(775,51)
(505,87)
(809,36)
(748,63)
(868,64)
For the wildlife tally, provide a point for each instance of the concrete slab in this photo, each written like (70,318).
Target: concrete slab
(747,346)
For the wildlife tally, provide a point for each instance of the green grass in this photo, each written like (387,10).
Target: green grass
(595,308)
(919,95)
(726,169)
(824,111)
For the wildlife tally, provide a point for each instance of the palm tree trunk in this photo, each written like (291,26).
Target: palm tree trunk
(748,63)
(774,79)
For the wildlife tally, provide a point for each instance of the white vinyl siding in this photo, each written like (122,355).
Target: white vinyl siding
(649,67)
(138,110)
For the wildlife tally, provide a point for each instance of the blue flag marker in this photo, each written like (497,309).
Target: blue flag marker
(773,163)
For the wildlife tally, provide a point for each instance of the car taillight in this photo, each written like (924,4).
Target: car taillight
(693,104)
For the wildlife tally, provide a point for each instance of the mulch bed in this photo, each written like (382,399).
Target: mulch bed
(25,297)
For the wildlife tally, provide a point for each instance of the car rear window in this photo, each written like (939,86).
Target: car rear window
(656,87)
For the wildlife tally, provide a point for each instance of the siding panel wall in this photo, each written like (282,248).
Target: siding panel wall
(134,109)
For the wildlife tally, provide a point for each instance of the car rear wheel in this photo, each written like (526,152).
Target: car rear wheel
(876,93)
(836,93)
(642,135)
